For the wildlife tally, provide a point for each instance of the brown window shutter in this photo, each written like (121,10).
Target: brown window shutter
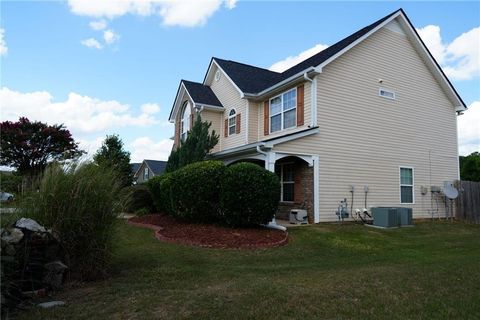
(191,121)
(238,124)
(300,102)
(226,128)
(266,118)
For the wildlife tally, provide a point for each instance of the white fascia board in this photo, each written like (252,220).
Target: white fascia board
(176,104)
(210,107)
(284,83)
(294,136)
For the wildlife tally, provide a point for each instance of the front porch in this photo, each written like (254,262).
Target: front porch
(299,178)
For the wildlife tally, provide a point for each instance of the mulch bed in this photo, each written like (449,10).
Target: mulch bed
(211,236)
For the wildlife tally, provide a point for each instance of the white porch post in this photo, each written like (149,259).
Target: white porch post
(316,189)
(270,159)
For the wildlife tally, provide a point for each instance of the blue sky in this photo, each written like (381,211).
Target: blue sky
(115,67)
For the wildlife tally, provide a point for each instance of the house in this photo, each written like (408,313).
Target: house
(372,119)
(135,166)
(149,169)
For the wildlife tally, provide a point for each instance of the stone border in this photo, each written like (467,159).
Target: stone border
(159,236)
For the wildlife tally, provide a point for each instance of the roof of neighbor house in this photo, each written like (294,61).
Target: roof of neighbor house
(157,166)
(135,166)
(201,94)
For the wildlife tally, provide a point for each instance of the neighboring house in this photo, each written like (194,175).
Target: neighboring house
(135,167)
(149,169)
(373,111)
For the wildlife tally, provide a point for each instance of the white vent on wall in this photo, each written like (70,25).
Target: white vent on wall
(389,94)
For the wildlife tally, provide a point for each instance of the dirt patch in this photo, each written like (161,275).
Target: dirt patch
(205,235)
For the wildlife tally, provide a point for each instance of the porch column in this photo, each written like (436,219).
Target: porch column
(270,159)
(316,188)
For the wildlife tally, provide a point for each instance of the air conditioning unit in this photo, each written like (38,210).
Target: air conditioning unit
(298,216)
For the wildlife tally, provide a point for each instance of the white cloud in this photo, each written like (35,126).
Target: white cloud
(173,12)
(150,108)
(98,25)
(80,114)
(110,36)
(3,43)
(289,62)
(91,43)
(90,146)
(460,59)
(146,148)
(469,130)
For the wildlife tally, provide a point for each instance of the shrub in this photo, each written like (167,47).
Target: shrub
(249,196)
(160,188)
(137,197)
(78,204)
(195,191)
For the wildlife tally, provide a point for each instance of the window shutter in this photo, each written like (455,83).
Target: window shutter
(238,124)
(191,121)
(177,133)
(266,118)
(300,102)
(226,128)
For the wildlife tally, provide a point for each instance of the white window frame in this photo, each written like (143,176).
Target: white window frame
(282,182)
(406,185)
(146,173)
(232,118)
(386,90)
(185,121)
(282,112)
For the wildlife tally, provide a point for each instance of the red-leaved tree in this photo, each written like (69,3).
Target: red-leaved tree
(30,146)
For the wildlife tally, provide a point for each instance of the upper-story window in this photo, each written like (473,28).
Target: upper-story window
(283,111)
(232,122)
(145,173)
(185,120)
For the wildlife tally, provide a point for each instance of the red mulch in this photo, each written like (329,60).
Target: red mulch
(205,235)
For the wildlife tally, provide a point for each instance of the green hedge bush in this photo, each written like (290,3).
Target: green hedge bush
(195,191)
(250,195)
(160,189)
(137,197)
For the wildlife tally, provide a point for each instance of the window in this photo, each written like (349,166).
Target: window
(145,174)
(406,185)
(185,121)
(386,93)
(232,122)
(283,111)
(287,181)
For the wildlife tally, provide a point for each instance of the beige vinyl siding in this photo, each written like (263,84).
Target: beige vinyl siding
(306,112)
(229,96)
(364,138)
(216,119)
(253,111)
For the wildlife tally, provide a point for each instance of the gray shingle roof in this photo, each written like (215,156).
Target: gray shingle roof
(158,167)
(201,94)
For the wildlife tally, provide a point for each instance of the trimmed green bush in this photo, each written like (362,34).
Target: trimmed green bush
(160,189)
(78,204)
(249,196)
(137,197)
(195,191)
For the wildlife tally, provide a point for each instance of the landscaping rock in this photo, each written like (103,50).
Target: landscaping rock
(50,304)
(29,224)
(54,274)
(12,236)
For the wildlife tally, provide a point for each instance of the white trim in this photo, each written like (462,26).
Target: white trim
(388,91)
(316,188)
(291,137)
(247,115)
(313,102)
(209,107)
(282,111)
(406,185)
(234,116)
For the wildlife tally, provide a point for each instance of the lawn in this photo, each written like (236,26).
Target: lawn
(330,271)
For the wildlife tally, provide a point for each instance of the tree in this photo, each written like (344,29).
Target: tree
(198,144)
(30,146)
(112,155)
(470,167)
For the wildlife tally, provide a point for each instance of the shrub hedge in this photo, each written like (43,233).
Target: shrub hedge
(137,198)
(241,195)
(249,196)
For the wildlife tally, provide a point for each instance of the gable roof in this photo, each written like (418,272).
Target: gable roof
(201,93)
(256,81)
(135,166)
(158,167)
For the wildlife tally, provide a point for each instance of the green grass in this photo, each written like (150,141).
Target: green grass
(431,271)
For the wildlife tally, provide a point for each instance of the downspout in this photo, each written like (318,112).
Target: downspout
(313,99)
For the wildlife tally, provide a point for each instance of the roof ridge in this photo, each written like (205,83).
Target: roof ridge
(248,65)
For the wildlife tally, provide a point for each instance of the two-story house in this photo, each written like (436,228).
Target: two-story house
(372,118)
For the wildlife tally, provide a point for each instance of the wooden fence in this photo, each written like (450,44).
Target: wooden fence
(468,201)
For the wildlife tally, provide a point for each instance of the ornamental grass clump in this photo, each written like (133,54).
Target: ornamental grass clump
(79,204)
